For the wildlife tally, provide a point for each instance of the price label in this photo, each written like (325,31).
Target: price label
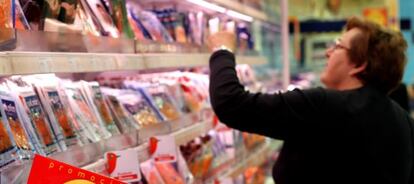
(163,149)
(123,165)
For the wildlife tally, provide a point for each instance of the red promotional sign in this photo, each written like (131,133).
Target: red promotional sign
(45,170)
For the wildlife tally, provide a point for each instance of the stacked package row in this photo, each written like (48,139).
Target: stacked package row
(120,18)
(44,114)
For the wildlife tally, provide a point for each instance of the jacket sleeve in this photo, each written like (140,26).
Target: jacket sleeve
(279,116)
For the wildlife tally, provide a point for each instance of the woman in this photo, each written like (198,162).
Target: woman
(350,132)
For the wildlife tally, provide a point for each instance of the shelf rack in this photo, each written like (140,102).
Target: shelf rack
(90,156)
(58,62)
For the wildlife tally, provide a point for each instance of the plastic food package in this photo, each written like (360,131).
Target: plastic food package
(19,141)
(168,173)
(123,119)
(84,116)
(120,17)
(151,173)
(163,101)
(96,101)
(138,108)
(101,17)
(151,24)
(6,13)
(34,115)
(87,21)
(22,130)
(47,88)
(14,143)
(141,33)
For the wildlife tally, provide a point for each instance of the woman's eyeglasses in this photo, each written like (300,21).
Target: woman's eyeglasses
(336,44)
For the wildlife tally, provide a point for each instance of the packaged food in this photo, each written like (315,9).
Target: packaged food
(151,24)
(141,33)
(34,113)
(22,131)
(31,113)
(169,173)
(57,114)
(151,173)
(95,99)
(19,142)
(141,111)
(123,120)
(163,101)
(87,21)
(86,119)
(14,145)
(175,91)
(119,15)
(101,17)
(197,23)
(6,13)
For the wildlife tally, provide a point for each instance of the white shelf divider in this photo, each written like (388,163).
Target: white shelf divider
(55,62)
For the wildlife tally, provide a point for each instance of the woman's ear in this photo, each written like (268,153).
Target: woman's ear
(358,69)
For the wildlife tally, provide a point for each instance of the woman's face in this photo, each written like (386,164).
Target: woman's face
(338,67)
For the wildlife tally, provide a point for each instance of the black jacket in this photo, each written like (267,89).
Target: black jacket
(354,136)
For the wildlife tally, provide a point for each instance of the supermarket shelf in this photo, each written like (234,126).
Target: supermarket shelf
(235,167)
(58,62)
(228,4)
(241,8)
(90,156)
(181,137)
(255,158)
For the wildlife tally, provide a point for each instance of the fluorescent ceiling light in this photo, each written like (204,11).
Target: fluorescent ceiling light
(208,5)
(239,15)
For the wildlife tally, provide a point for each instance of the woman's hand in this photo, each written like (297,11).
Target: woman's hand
(222,40)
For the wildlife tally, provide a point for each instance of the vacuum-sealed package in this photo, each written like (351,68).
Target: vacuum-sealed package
(140,90)
(22,130)
(175,91)
(163,101)
(151,173)
(57,114)
(101,17)
(33,113)
(151,23)
(169,173)
(137,106)
(61,10)
(18,142)
(84,115)
(123,120)
(120,17)
(14,142)
(59,16)
(6,13)
(141,33)
(88,23)
(95,99)
(47,88)
(197,23)
(7,148)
